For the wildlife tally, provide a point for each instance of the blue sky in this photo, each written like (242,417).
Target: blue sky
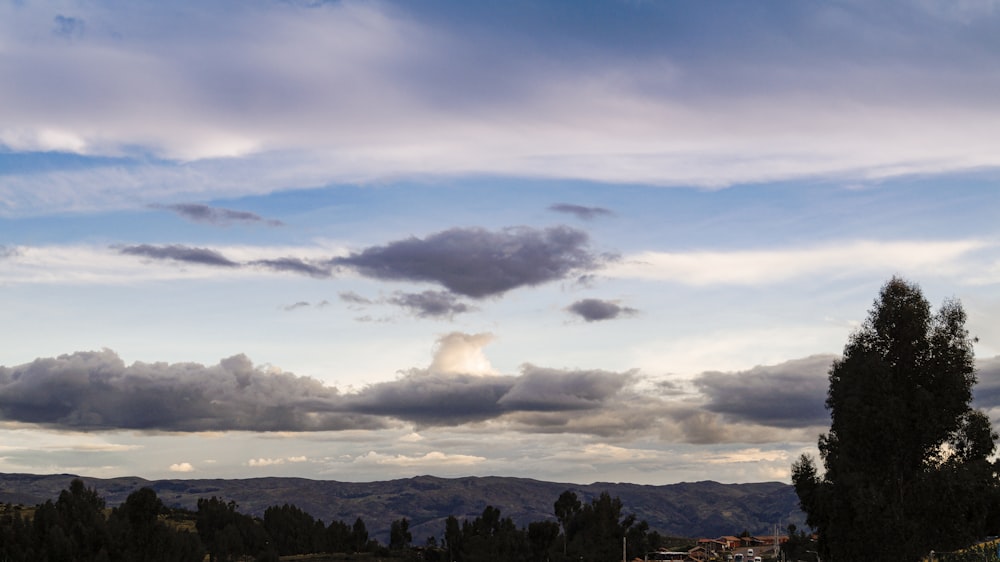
(587,241)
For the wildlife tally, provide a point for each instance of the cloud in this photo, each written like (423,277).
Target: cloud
(207,256)
(678,108)
(352,298)
(295,265)
(265,462)
(67,26)
(789,395)
(581,212)
(593,310)
(181,467)
(542,389)
(460,387)
(297,305)
(206,214)
(478,263)
(96,391)
(755,267)
(433,458)
(177,252)
(430,304)
(93,391)
(459,353)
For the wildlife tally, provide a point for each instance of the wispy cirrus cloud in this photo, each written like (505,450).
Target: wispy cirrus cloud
(206,214)
(580,211)
(179,253)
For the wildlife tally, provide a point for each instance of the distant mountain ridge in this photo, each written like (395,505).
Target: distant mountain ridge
(692,509)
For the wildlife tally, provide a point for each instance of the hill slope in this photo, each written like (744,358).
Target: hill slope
(687,509)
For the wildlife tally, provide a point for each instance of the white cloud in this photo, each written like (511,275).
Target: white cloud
(265,462)
(181,467)
(431,459)
(459,353)
(757,267)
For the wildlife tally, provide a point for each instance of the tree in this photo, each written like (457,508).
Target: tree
(906,458)
(399,534)
(140,535)
(594,531)
(359,536)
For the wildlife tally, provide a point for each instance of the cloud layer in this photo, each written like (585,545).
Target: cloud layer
(256,101)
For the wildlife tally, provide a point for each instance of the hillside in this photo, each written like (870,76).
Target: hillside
(687,509)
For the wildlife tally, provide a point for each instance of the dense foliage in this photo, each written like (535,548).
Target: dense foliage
(75,527)
(78,527)
(906,458)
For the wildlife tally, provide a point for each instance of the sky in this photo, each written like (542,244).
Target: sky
(614,240)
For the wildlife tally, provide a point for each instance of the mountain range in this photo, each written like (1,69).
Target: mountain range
(694,509)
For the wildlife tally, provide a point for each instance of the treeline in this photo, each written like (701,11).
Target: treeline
(79,527)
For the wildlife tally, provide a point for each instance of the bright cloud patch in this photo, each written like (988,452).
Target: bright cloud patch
(773,266)
(434,458)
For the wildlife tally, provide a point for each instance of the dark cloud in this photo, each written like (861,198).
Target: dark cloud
(97,391)
(177,252)
(787,395)
(92,391)
(432,399)
(581,212)
(8,251)
(593,310)
(478,263)
(430,304)
(215,215)
(541,389)
(295,265)
(429,398)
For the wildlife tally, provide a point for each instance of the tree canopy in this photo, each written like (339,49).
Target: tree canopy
(906,459)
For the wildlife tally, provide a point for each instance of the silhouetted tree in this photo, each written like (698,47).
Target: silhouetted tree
(338,537)
(453,539)
(294,531)
(542,537)
(906,457)
(228,534)
(399,534)
(595,531)
(359,536)
(492,538)
(139,534)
